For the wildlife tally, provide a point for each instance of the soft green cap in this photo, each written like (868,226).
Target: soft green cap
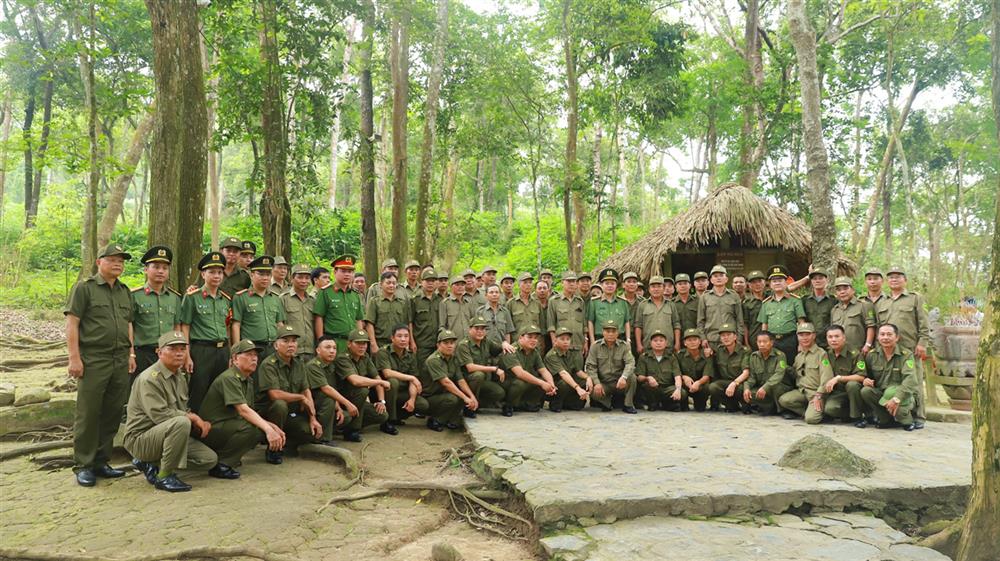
(843,281)
(657,333)
(506,276)
(525,276)
(279,260)
(727,328)
(411,263)
(243,346)
(692,332)
(629,275)
(489,269)
(563,331)
(700,275)
(682,277)
(655,279)
(529,329)
(390,262)
(610,324)
(806,328)
(819,272)
(719,269)
(114,249)
(445,335)
(896,269)
(754,275)
(288,331)
(569,276)
(456,280)
(428,274)
(479,321)
(172,338)
(357,335)
(301,269)
(232,242)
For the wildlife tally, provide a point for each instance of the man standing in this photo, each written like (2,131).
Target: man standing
(499,324)
(257,313)
(609,307)
(611,365)
(657,314)
(819,304)
(528,380)
(766,382)
(891,390)
(156,308)
(906,311)
(659,375)
(717,307)
(506,288)
(456,311)
(204,313)
(685,303)
(478,354)
(489,276)
(279,277)
(780,312)
(385,312)
(524,309)
(812,372)
(235,277)
(732,368)
(751,307)
(424,319)
(630,294)
(388,266)
(447,391)
(843,391)
(873,282)
(740,285)
(700,284)
(543,290)
(248,251)
(359,284)
(320,279)
(98,323)
(338,311)
(358,376)
(573,385)
(570,311)
(472,291)
(397,364)
(856,317)
(410,286)
(298,305)
(696,370)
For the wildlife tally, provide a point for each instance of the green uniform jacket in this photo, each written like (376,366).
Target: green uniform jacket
(649,317)
(751,311)
(424,314)
(531,362)
(104,311)
(385,314)
(345,366)
(897,370)
(818,313)
(279,290)
(881,305)
(455,315)
(388,357)
(274,374)
(341,310)
(781,316)
(258,315)
(319,374)
(228,390)
(602,310)
(907,312)
(715,310)
(234,282)
(438,368)
(766,372)
(848,363)
(206,315)
(525,314)
(153,314)
(688,312)
(571,361)
(299,314)
(695,367)
(663,370)
(729,365)
(607,364)
(812,369)
(633,306)
(570,313)
(158,395)
(501,324)
(483,354)
(855,317)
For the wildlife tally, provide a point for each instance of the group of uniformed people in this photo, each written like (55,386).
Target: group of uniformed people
(261,352)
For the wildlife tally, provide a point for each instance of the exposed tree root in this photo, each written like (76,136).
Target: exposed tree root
(34,448)
(190,553)
(342,454)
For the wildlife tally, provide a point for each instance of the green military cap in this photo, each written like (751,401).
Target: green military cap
(411,264)
(843,281)
(629,275)
(816,272)
(262,263)
(506,276)
(357,335)
(569,276)
(754,275)
(279,260)
(777,271)
(231,242)
(546,272)
(609,324)
(114,249)
(529,329)
(700,275)
(682,277)
(691,332)
(719,269)
(524,277)
(443,275)
(243,346)
(456,280)
(608,274)
(564,331)
(655,279)
(896,270)
(469,273)
(874,271)
(641,285)
(727,328)
(211,259)
(172,338)
(428,274)
(805,328)
(247,246)
(478,321)
(668,279)
(301,269)
(584,275)
(157,254)
(489,269)
(390,262)
(345,261)
(657,333)
(288,331)
(446,335)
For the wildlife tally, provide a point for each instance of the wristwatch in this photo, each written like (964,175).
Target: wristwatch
(382,401)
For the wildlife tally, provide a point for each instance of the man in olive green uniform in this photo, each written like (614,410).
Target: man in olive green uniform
(159,426)
(321,379)
(388,266)
(751,307)
(890,391)
(489,278)
(279,277)
(583,283)
(696,370)
(397,364)
(874,280)
(573,385)
(630,294)
(905,310)
(424,319)
(609,307)
(408,285)
(732,368)
(524,309)
(569,310)
(701,282)
(447,390)
(298,305)
(204,312)
(507,288)
(685,303)
(457,310)
(257,313)
(499,323)
(719,306)
(472,291)
(358,376)
(658,375)
(818,305)
(856,317)
(812,372)
(385,312)
(338,310)
(528,381)
(657,314)
(781,312)
(248,251)
(98,321)
(766,380)
(611,365)
(543,292)
(228,407)
(156,307)
(843,391)
(479,356)
(235,277)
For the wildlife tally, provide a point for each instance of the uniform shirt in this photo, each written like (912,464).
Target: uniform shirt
(663,370)
(881,305)
(907,312)
(477,298)
(299,314)
(228,390)
(531,361)
(525,314)
(855,317)
(602,310)
(206,315)
(695,367)
(274,374)
(406,291)
(570,313)
(715,310)
(687,312)
(440,367)
(818,313)
(751,323)
(258,315)
(812,369)
(729,365)
(346,365)
(153,314)
(501,324)
(571,361)
(897,370)
(234,282)
(279,289)
(424,314)
(341,310)
(632,307)
(766,372)
(384,314)
(388,357)
(848,363)
(781,315)
(483,354)
(649,317)
(455,315)
(319,374)
(608,363)
(157,396)
(104,311)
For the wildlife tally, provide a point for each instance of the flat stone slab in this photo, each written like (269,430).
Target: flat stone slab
(597,465)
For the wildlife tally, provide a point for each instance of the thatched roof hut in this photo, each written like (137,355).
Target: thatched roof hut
(731,226)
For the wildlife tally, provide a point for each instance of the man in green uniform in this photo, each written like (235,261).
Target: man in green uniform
(360,286)
(499,323)
(766,380)
(685,303)
(424,319)
(235,277)
(658,375)
(397,364)
(385,312)
(257,313)
(98,322)
(583,282)
(528,381)
(159,426)
(524,309)
(489,278)
(358,376)
(456,311)
(657,314)
(155,307)
(228,407)
(751,307)
(478,355)
(701,282)
(472,291)
(409,286)
(321,378)
(781,312)
(446,391)
(388,266)
(719,306)
(609,307)
(566,362)
(546,275)
(338,310)
(856,317)
(812,372)
(696,370)
(630,293)
(842,393)
(543,292)
(874,281)
(248,251)
(569,310)
(818,304)
(204,315)
(298,305)
(890,391)
(611,365)
(732,368)
(905,310)
(507,288)
(279,277)
(443,287)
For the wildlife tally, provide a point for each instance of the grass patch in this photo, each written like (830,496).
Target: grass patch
(43,292)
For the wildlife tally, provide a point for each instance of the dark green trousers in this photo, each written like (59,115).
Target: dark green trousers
(566,397)
(366,409)
(522,394)
(289,418)
(100,396)
(660,397)
(445,407)
(397,395)
(717,389)
(326,412)
(209,361)
(488,392)
(232,439)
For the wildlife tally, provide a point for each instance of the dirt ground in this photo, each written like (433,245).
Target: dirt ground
(272,508)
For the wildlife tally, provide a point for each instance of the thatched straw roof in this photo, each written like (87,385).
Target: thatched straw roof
(732,211)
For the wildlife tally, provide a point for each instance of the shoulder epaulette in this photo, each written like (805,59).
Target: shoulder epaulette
(768,299)
(137,289)
(795,296)
(241,291)
(172,291)
(191,290)
(224,295)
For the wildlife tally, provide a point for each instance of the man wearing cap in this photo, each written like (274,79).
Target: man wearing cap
(478,355)
(204,317)
(719,306)
(583,283)
(359,284)
(397,364)
(669,290)
(472,291)
(568,310)
(525,310)
(818,304)
(159,426)
(447,390)
(856,317)
(338,310)
(410,285)
(424,318)
(385,312)
(843,391)
(732,368)
(696,370)
(98,324)
(443,288)
(156,308)
(890,391)
(298,305)
(543,292)
(609,307)
(248,251)
(658,375)
(506,288)
(528,381)
(657,314)
(812,372)
(456,311)
(358,376)
(874,280)
(279,277)
(321,379)
(388,266)
(235,277)
(781,312)
(489,278)
(752,302)
(573,385)
(700,283)
(905,310)
(611,365)
(499,323)
(630,293)
(685,303)
(228,407)
(767,377)
(257,313)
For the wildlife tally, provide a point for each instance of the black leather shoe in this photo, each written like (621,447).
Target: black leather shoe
(388,428)
(532,408)
(601,406)
(352,436)
(172,484)
(507,411)
(434,425)
(555,409)
(108,472)
(918,424)
(222,471)
(889,425)
(861,423)
(273,457)
(910,427)
(419,415)
(629,409)
(453,426)
(86,478)
(400,422)
(788,415)
(329,443)
(468,413)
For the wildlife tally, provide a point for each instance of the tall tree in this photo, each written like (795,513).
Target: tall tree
(570,190)
(86,54)
(116,199)
(366,149)
(399,61)
(275,212)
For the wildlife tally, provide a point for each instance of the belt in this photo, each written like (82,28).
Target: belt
(263,343)
(780,336)
(216,344)
(145,347)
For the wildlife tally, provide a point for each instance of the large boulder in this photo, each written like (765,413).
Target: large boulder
(28,396)
(6,394)
(820,453)
(37,416)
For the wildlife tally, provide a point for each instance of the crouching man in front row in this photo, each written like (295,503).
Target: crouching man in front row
(611,366)
(890,392)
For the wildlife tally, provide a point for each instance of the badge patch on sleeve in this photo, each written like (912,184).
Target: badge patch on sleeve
(860,364)
(909,363)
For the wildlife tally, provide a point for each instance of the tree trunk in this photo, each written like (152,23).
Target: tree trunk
(597,185)
(856,170)
(382,167)
(89,250)
(29,117)
(31,203)
(178,159)
(140,201)
(331,194)
(623,178)
(480,173)
(399,60)
(451,253)
(491,186)
(116,199)
(570,190)
(5,123)
(366,148)
(886,206)
(824,229)
(909,221)
(420,246)
(275,211)
(752,130)
(214,156)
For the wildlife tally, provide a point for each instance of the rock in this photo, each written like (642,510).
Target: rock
(37,416)
(32,395)
(6,393)
(587,521)
(445,552)
(908,552)
(823,454)
(566,546)
(607,519)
